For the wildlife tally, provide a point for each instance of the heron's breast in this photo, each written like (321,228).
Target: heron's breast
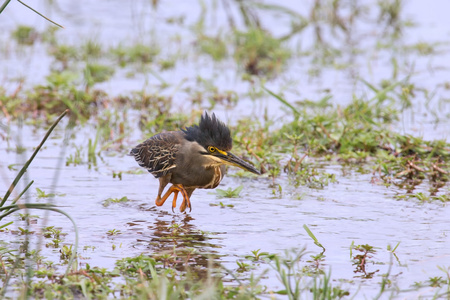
(199,177)
(216,178)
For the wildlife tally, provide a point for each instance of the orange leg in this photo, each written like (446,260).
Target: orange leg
(174,201)
(160,201)
(175,189)
(186,201)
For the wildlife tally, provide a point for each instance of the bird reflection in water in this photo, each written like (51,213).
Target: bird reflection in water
(176,243)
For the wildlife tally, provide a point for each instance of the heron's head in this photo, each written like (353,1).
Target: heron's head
(214,136)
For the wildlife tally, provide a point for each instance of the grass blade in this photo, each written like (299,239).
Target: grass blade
(294,110)
(25,167)
(316,242)
(39,14)
(43,206)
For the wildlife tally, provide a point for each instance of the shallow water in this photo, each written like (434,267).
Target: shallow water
(352,210)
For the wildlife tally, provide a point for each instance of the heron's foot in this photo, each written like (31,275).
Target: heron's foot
(160,201)
(175,189)
(186,201)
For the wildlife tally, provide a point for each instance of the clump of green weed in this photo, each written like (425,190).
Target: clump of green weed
(213,46)
(25,35)
(60,92)
(259,53)
(109,201)
(230,192)
(138,53)
(96,73)
(64,54)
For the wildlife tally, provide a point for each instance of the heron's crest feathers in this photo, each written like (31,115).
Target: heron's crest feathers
(210,132)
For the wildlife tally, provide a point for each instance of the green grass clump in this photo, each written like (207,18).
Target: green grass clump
(360,132)
(96,73)
(213,46)
(109,201)
(138,53)
(25,35)
(48,100)
(259,53)
(230,192)
(64,54)
(60,92)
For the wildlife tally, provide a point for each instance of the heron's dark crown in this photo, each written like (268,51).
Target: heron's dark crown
(210,132)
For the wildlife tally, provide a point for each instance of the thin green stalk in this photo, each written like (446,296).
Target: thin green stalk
(7,224)
(4,5)
(294,110)
(39,14)
(9,275)
(25,167)
(385,279)
(316,241)
(23,192)
(13,208)
(44,206)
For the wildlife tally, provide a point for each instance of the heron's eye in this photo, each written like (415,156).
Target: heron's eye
(211,149)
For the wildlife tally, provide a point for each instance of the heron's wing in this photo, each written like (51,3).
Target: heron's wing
(158,153)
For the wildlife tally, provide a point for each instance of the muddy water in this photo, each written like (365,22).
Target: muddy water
(352,210)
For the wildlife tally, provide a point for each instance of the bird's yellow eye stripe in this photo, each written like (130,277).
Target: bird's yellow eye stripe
(222,152)
(213,149)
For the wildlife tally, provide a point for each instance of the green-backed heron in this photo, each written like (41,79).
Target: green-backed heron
(189,159)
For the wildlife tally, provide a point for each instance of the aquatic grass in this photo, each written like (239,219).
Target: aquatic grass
(361,260)
(206,89)
(42,194)
(92,145)
(257,255)
(222,205)
(390,15)
(154,121)
(2,8)
(358,132)
(311,235)
(259,53)
(57,94)
(96,73)
(28,162)
(91,50)
(64,54)
(138,53)
(360,136)
(284,102)
(7,210)
(75,159)
(296,285)
(230,192)
(213,46)
(110,201)
(25,35)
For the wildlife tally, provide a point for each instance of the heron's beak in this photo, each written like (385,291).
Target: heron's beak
(231,159)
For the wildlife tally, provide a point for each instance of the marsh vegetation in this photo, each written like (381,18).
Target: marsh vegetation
(343,106)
